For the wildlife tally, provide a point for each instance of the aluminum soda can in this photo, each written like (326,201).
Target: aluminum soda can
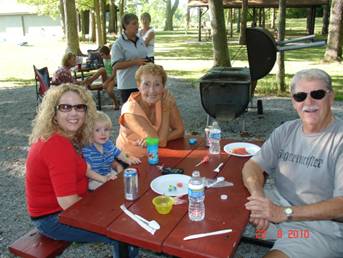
(131,184)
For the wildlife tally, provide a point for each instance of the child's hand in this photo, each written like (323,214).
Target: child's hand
(111,176)
(133,160)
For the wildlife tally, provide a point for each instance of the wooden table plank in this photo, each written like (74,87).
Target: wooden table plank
(220,214)
(101,207)
(126,230)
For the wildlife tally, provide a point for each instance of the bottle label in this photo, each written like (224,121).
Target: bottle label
(196,193)
(215,134)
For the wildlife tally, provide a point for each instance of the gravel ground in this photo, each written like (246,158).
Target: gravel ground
(17,108)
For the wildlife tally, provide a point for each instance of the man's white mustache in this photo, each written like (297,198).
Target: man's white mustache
(309,108)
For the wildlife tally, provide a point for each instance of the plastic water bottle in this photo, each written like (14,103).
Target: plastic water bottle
(214,138)
(196,197)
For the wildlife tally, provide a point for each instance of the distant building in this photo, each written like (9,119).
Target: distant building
(21,21)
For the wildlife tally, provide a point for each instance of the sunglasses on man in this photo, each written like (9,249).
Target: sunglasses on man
(315,94)
(68,107)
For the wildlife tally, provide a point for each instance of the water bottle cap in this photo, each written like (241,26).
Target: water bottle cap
(196,173)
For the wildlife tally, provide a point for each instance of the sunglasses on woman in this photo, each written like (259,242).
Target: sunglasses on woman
(315,94)
(68,107)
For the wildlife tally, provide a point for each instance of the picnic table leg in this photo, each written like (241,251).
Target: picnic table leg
(99,100)
(123,250)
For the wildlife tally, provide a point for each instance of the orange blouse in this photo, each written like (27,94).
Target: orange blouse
(126,140)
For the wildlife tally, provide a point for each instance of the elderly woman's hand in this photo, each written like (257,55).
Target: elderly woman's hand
(140,142)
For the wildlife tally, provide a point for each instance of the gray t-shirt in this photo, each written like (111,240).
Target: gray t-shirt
(306,168)
(124,49)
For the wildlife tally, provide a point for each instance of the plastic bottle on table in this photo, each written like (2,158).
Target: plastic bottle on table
(196,197)
(214,138)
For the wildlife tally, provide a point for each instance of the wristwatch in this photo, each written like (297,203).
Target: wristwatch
(288,211)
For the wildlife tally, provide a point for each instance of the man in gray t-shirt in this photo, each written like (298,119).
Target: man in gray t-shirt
(305,158)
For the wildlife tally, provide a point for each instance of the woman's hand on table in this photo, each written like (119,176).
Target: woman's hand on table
(140,142)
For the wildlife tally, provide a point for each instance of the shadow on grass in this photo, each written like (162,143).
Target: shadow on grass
(18,82)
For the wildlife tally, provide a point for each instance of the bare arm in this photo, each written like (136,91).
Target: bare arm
(95,176)
(253,178)
(176,124)
(262,208)
(150,36)
(67,201)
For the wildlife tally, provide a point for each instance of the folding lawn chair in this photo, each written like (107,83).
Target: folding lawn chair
(42,80)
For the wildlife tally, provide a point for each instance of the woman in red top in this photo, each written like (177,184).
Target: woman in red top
(55,170)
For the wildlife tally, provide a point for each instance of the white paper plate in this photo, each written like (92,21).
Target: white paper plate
(170,184)
(249,147)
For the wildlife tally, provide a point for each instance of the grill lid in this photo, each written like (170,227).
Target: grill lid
(262,49)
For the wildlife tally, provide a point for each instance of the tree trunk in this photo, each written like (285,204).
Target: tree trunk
(311,15)
(238,19)
(334,42)
(263,17)
(112,24)
(84,23)
(340,49)
(63,24)
(99,35)
(280,74)
(231,22)
(188,17)
(254,18)
(244,16)
(102,9)
(71,26)
(220,48)
(121,13)
(170,11)
(92,26)
(273,16)
(325,27)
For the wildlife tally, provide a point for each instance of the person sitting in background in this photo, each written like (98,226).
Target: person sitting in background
(305,157)
(148,35)
(107,74)
(55,170)
(128,53)
(151,112)
(101,154)
(63,73)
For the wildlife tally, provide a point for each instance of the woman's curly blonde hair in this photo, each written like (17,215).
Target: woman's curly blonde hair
(44,125)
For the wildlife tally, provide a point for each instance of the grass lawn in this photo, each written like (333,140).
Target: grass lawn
(178,51)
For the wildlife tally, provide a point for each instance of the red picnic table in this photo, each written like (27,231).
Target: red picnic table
(100,212)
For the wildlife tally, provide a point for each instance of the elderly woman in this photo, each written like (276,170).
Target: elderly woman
(128,53)
(55,170)
(151,112)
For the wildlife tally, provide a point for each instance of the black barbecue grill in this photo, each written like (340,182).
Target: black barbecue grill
(226,91)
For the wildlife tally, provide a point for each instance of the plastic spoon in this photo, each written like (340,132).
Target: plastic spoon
(152,223)
(217,169)
(219,179)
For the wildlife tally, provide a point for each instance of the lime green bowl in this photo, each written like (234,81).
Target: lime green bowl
(163,204)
